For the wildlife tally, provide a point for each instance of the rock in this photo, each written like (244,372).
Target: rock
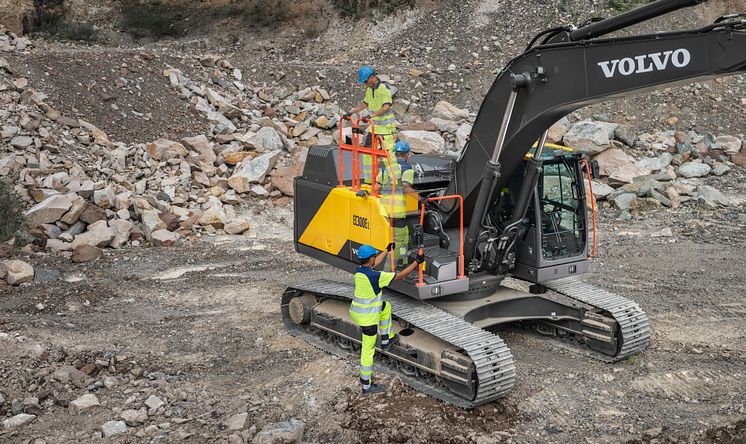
(287,432)
(739,159)
(252,171)
(201,145)
(625,134)
(235,158)
(282,178)
(626,174)
(164,149)
(16,421)
(612,159)
(98,235)
(590,136)
(659,163)
(113,428)
(448,111)
(694,169)
(720,169)
(58,245)
(86,253)
(259,191)
(267,140)
(730,144)
(601,190)
(77,205)
(666,232)
(152,220)
(462,135)
(122,229)
(237,422)
(16,272)
(626,201)
(92,214)
(214,217)
(49,210)
(134,418)
(443,125)
(220,122)
(710,197)
(104,198)
(21,142)
(557,131)
(153,402)
(85,402)
(661,198)
(164,238)
(424,142)
(237,226)
(69,374)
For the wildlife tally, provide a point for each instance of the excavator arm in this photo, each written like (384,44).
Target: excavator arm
(573,69)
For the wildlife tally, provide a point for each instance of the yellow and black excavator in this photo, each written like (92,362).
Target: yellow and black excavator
(509,206)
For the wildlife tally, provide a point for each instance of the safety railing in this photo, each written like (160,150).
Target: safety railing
(460,199)
(356,149)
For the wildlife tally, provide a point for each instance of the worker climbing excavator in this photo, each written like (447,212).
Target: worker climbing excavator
(510,206)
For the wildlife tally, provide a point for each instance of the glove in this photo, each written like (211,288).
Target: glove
(346,115)
(366,119)
(420,258)
(390,246)
(362,193)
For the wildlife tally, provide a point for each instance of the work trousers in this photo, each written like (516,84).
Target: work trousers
(401,245)
(369,343)
(366,164)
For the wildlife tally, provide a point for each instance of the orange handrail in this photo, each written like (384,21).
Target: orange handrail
(593,204)
(460,231)
(375,152)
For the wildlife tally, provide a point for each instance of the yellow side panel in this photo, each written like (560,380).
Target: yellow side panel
(346,217)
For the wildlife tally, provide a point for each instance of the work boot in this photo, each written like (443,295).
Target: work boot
(374,388)
(391,342)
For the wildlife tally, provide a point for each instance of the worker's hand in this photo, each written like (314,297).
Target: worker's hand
(390,247)
(365,119)
(362,193)
(346,115)
(420,258)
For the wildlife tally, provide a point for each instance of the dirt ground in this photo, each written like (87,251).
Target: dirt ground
(199,326)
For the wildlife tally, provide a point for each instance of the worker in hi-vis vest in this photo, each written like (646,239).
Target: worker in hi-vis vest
(370,312)
(378,100)
(404,175)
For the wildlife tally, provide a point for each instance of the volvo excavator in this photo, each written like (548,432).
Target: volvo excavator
(510,208)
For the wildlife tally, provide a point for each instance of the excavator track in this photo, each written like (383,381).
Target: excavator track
(490,361)
(633,323)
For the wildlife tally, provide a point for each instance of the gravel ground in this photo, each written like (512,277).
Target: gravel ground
(198,325)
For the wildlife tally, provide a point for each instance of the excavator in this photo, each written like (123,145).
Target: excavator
(510,209)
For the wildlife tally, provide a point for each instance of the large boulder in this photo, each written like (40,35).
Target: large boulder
(612,159)
(558,130)
(626,174)
(98,235)
(48,211)
(424,142)
(729,144)
(267,140)
(77,205)
(16,272)
(658,163)
(164,238)
(122,229)
(237,226)
(164,149)
(201,145)
(287,432)
(590,136)
(86,253)
(448,111)
(694,169)
(252,170)
(282,178)
(710,196)
(462,135)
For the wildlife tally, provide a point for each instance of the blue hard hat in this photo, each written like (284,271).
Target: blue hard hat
(401,146)
(364,73)
(365,252)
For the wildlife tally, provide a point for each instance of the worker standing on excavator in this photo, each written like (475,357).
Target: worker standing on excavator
(404,175)
(378,100)
(370,312)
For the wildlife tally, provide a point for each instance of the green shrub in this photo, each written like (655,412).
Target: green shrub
(54,24)
(11,211)
(143,19)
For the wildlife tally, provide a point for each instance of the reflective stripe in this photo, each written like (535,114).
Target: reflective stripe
(385,324)
(366,368)
(365,310)
(367,301)
(388,120)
